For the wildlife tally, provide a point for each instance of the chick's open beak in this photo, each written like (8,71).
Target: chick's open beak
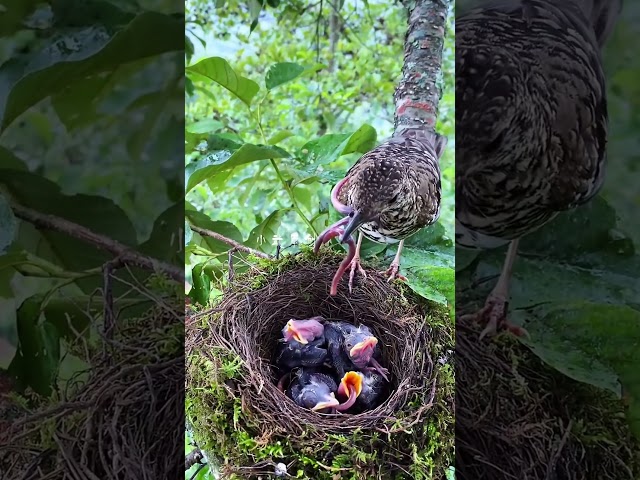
(294,333)
(330,402)
(350,381)
(360,347)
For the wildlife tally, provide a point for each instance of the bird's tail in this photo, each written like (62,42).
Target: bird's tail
(602,15)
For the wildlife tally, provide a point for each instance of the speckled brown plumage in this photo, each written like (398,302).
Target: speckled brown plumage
(531,114)
(531,123)
(389,194)
(396,187)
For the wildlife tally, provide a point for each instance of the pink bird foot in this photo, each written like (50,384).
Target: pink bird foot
(393,272)
(494,315)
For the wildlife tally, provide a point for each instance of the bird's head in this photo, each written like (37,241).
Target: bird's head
(303,331)
(359,216)
(318,399)
(360,346)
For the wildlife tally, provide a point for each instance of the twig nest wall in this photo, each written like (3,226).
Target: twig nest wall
(240,416)
(519,418)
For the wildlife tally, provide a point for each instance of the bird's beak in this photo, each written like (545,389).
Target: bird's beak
(355,221)
(358,348)
(330,402)
(293,332)
(349,381)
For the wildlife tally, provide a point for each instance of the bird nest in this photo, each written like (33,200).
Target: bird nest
(516,417)
(237,411)
(119,414)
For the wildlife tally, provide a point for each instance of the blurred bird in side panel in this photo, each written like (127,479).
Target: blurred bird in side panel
(531,122)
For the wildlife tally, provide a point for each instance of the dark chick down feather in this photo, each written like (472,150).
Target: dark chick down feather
(294,354)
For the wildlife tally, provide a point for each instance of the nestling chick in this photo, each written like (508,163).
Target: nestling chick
(352,348)
(303,331)
(313,390)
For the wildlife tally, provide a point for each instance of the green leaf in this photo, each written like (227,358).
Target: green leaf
(207,125)
(329,148)
(36,362)
(362,140)
(218,70)
(431,273)
(14,13)
(281,73)
(219,161)
(188,47)
(255,7)
(93,49)
(465,257)
(9,161)
(8,225)
(433,283)
(590,342)
(429,236)
(69,318)
(262,236)
(278,137)
(227,229)
(166,241)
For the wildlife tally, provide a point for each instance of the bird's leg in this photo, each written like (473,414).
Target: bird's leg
(355,263)
(344,264)
(394,268)
(494,312)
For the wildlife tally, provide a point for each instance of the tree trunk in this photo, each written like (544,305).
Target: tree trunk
(418,93)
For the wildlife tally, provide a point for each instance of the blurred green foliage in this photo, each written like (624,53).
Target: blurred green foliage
(90,132)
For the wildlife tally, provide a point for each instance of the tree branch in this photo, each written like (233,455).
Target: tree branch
(228,241)
(418,93)
(195,456)
(126,254)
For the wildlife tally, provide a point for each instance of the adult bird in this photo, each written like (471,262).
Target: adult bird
(531,122)
(352,348)
(388,195)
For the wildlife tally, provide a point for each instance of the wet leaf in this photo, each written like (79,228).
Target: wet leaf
(218,70)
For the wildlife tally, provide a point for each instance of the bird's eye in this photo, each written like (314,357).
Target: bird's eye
(349,345)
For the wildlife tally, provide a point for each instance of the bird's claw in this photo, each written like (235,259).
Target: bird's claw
(393,272)
(355,265)
(375,366)
(494,314)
